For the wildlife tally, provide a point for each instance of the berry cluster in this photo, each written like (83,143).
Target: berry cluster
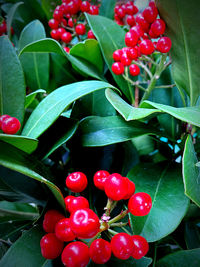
(68,20)
(83,223)
(124,13)
(9,125)
(144,38)
(3,28)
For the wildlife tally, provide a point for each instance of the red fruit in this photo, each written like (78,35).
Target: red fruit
(131,39)
(125,60)
(132,53)
(140,204)
(84,223)
(63,230)
(53,24)
(76,182)
(131,185)
(73,7)
(164,44)
(117,55)
(55,34)
(10,125)
(3,28)
(66,37)
(121,13)
(70,22)
(85,6)
(131,9)
(61,31)
(134,71)
(75,254)
(68,199)
(67,49)
(51,246)
(122,246)
(77,203)
(51,217)
(2,118)
(140,247)
(90,35)
(100,251)
(158,27)
(100,178)
(94,10)
(80,29)
(58,15)
(152,34)
(146,47)
(118,68)
(152,4)
(64,22)
(142,22)
(150,14)
(137,29)
(130,20)
(115,187)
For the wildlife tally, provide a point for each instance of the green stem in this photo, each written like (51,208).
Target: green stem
(118,217)
(155,256)
(108,206)
(125,230)
(134,83)
(112,232)
(166,86)
(129,86)
(120,224)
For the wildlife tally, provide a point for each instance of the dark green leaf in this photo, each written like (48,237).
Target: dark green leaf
(30,98)
(12,87)
(10,16)
(144,262)
(192,235)
(12,230)
(23,143)
(101,131)
(107,8)
(181,16)
(36,66)
(182,258)
(48,6)
(16,160)
(12,211)
(169,204)
(25,251)
(191,173)
(55,103)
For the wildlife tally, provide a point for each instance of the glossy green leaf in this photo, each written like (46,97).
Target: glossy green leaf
(48,6)
(48,45)
(110,37)
(188,114)
(25,251)
(23,143)
(191,173)
(192,235)
(181,16)
(107,8)
(127,111)
(36,66)
(16,160)
(10,16)
(183,258)
(13,211)
(30,98)
(12,86)
(101,131)
(169,204)
(90,51)
(144,262)
(55,103)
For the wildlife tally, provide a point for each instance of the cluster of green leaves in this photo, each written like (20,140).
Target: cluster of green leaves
(76,115)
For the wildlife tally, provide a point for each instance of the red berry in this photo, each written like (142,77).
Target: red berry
(75,254)
(66,37)
(132,53)
(3,28)
(140,246)
(84,223)
(131,185)
(2,118)
(100,251)
(142,22)
(85,6)
(118,68)
(146,47)
(53,24)
(131,9)
(130,20)
(164,44)
(55,34)
(90,35)
(68,199)
(122,246)
(152,35)
(134,70)
(10,125)
(61,31)
(117,55)
(70,22)
(58,15)
(51,217)
(76,182)
(137,30)
(121,13)
(63,230)
(140,204)
(77,203)
(150,14)
(131,39)
(94,10)
(152,4)
(100,178)
(67,49)
(115,187)
(73,7)
(125,60)
(51,246)
(158,27)
(80,29)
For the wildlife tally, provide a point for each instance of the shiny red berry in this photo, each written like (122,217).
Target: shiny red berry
(130,20)
(140,204)
(51,246)
(76,182)
(67,49)
(63,230)
(118,68)
(84,223)
(121,13)
(53,24)
(100,251)
(115,187)
(2,118)
(75,254)
(94,10)
(66,37)
(60,31)
(58,15)
(100,178)
(73,7)
(140,245)
(51,217)
(85,6)
(164,44)
(150,14)
(10,125)
(130,184)
(134,70)
(80,29)
(117,55)
(77,203)
(68,199)
(70,22)
(122,246)
(131,39)
(90,35)
(158,27)
(55,34)
(142,22)
(132,53)
(131,9)
(137,29)
(146,47)
(125,60)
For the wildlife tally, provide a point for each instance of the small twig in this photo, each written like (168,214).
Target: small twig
(134,83)
(136,96)
(112,232)
(120,224)
(166,86)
